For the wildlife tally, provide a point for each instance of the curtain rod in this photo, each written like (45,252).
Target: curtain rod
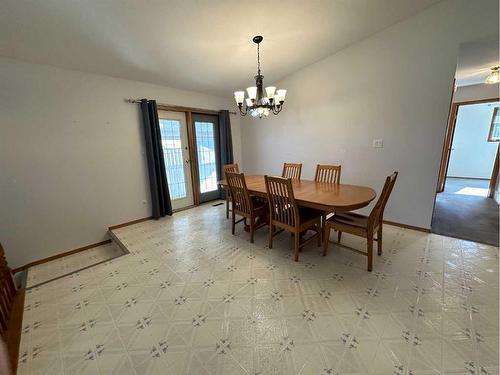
(138,101)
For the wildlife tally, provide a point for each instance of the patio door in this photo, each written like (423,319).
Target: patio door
(174,140)
(206,134)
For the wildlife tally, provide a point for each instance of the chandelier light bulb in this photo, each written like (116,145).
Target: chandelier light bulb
(494,76)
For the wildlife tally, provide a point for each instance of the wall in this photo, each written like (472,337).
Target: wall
(472,155)
(72,156)
(394,85)
(476,92)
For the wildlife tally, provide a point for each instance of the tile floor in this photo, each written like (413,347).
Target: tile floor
(44,272)
(190,298)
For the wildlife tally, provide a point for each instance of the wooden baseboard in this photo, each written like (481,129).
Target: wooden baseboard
(53,257)
(130,223)
(13,333)
(407,226)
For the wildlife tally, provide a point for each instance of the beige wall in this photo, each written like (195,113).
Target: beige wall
(72,156)
(394,85)
(475,92)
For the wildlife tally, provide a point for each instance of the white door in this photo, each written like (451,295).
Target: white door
(174,140)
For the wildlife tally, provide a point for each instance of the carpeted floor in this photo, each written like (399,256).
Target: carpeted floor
(470,217)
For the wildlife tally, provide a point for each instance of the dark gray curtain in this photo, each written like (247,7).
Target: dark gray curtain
(160,196)
(225,142)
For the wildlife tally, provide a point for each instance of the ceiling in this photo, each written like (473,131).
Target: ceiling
(475,60)
(199,45)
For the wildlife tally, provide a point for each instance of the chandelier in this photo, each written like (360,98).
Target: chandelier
(258,104)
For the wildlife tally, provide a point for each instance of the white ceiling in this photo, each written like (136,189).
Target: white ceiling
(475,60)
(198,45)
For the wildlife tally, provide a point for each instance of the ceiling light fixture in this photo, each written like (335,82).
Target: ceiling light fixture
(494,76)
(258,104)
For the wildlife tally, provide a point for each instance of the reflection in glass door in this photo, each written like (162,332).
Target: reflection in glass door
(206,131)
(174,142)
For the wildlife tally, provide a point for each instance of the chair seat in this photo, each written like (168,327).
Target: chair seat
(349,218)
(307,214)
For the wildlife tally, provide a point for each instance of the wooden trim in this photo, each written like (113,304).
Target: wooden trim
(178,108)
(130,223)
(195,181)
(407,226)
(57,256)
(494,176)
(478,101)
(445,154)
(469,178)
(13,333)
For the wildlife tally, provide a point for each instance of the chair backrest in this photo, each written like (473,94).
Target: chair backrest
(233,168)
(377,214)
(292,170)
(328,173)
(7,292)
(239,193)
(283,208)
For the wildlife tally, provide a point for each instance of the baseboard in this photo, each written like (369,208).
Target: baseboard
(53,257)
(130,223)
(407,226)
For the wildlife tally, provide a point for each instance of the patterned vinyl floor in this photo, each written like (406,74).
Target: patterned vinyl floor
(190,298)
(57,268)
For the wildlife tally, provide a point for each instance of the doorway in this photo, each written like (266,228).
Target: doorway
(464,205)
(190,143)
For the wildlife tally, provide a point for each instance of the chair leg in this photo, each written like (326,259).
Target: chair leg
(326,240)
(339,236)
(319,233)
(271,232)
(369,249)
(227,205)
(233,222)
(379,240)
(252,229)
(296,241)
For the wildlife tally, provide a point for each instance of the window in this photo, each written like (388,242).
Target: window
(494,135)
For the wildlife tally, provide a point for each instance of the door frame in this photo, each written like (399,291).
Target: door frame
(191,141)
(189,189)
(448,142)
(209,195)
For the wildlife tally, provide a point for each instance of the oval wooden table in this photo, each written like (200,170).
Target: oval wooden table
(327,197)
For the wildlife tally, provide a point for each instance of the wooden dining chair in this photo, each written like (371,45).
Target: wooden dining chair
(244,204)
(285,213)
(361,225)
(328,173)
(292,170)
(232,168)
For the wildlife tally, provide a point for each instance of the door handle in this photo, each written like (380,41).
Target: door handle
(188,161)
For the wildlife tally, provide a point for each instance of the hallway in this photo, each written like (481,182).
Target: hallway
(463,211)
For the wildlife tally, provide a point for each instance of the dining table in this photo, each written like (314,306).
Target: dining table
(325,196)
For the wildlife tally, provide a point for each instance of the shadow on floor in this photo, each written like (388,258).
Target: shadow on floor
(470,217)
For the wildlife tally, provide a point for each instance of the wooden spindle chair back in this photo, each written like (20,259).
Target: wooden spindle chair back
(242,204)
(328,174)
(292,170)
(231,168)
(283,208)
(7,292)
(377,214)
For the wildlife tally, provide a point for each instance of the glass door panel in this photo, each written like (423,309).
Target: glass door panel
(174,141)
(206,129)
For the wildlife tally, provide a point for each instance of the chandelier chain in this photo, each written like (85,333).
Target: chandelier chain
(258,58)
